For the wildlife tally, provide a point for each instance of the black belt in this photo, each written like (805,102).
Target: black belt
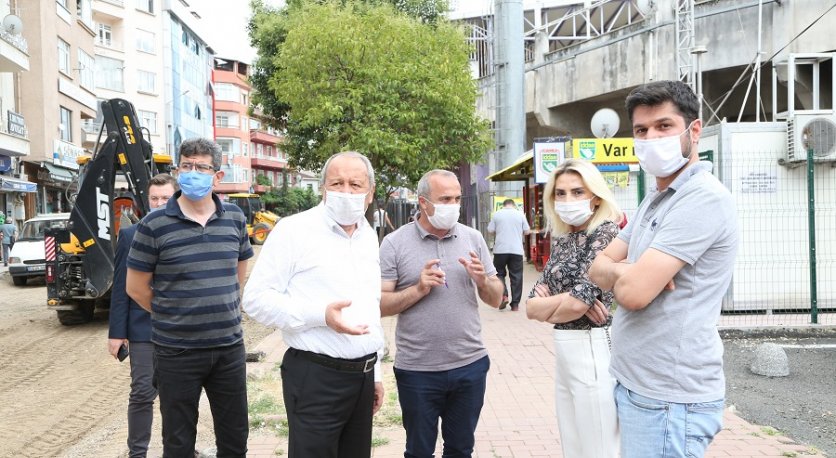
(364,364)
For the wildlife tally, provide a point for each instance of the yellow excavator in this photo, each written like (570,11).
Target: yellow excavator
(259,221)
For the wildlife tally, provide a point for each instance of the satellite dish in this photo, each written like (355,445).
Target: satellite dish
(12,24)
(646,7)
(604,123)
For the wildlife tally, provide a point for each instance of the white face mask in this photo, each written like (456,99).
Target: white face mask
(661,157)
(574,213)
(445,216)
(345,208)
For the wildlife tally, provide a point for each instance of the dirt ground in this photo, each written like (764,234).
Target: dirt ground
(61,393)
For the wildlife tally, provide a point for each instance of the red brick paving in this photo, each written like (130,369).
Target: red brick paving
(518,417)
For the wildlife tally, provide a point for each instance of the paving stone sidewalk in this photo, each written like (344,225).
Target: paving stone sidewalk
(518,417)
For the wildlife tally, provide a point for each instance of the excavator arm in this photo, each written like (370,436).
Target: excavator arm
(82,270)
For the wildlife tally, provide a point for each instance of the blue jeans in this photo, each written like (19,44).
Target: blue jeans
(651,428)
(180,374)
(456,396)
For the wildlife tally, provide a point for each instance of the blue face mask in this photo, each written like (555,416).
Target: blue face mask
(195,185)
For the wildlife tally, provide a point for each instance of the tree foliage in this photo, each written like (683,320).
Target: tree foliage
(349,75)
(286,201)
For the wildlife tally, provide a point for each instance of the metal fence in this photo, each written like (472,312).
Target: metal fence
(786,218)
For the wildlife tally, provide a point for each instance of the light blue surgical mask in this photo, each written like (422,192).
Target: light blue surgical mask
(195,185)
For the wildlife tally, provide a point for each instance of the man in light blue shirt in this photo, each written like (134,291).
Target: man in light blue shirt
(669,269)
(509,225)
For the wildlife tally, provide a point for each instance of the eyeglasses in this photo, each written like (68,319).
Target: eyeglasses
(199,166)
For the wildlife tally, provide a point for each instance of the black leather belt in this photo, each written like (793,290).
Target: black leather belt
(364,364)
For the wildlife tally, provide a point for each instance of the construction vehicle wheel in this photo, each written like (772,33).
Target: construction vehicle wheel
(260,232)
(84,314)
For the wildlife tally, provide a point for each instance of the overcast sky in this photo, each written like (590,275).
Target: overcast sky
(225,25)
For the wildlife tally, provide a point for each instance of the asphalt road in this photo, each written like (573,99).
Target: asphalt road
(801,405)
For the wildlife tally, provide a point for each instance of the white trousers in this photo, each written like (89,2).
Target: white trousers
(584,399)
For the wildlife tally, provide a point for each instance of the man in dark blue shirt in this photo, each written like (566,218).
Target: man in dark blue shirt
(186,266)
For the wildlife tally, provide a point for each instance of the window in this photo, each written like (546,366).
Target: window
(109,74)
(104,35)
(63,56)
(64,3)
(86,71)
(65,124)
(146,82)
(148,119)
(255,124)
(145,41)
(225,144)
(226,119)
(84,10)
(145,5)
(259,149)
(227,92)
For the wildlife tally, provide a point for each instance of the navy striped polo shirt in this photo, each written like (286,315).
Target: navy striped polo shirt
(196,301)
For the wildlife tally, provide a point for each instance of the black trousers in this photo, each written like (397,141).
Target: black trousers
(329,412)
(513,264)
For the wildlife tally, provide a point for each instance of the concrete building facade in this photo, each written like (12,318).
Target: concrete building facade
(14,142)
(60,35)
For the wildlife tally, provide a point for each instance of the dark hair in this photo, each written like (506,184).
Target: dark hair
(202,147)
(509,202)
(163,179)
(659,92)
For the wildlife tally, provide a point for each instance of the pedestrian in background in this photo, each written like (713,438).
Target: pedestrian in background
(130,325)
(318,280)
(186,266)
(581,213)
(510,226)
(8,231)
(670,269)
(381,221)
(433,270)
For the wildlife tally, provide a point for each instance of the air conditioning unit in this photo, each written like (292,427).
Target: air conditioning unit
(814,133)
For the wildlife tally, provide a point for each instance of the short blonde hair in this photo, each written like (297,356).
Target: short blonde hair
(607,210)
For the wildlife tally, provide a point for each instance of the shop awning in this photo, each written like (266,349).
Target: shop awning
(9,184)
(521,170)
(59,174)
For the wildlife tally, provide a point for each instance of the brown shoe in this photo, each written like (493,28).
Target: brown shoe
(504,303)
(515,308)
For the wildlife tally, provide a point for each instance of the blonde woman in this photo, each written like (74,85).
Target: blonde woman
(582,219)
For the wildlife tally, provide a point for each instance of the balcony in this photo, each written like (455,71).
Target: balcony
(14,51)
(267,162)
(260,188)
(260,136)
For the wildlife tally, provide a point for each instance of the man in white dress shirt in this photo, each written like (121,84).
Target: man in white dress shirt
(318,280)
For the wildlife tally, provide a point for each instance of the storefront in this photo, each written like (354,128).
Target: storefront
(614,157)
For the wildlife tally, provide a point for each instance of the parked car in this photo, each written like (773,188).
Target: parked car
(26,259)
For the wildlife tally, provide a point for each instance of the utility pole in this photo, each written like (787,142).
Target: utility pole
(510,79)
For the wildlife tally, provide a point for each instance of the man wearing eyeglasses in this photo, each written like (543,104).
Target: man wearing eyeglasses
(186,266)
(130,325)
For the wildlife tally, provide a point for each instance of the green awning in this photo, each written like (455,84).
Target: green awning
(521,170)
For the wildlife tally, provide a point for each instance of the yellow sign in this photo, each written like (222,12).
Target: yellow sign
(604,150)
(498,200)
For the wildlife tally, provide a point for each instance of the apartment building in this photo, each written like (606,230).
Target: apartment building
(148,52)
(14,142)
(58,98)
(232,124)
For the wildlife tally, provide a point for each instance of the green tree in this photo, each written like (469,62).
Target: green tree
(342,75)
(286,201)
